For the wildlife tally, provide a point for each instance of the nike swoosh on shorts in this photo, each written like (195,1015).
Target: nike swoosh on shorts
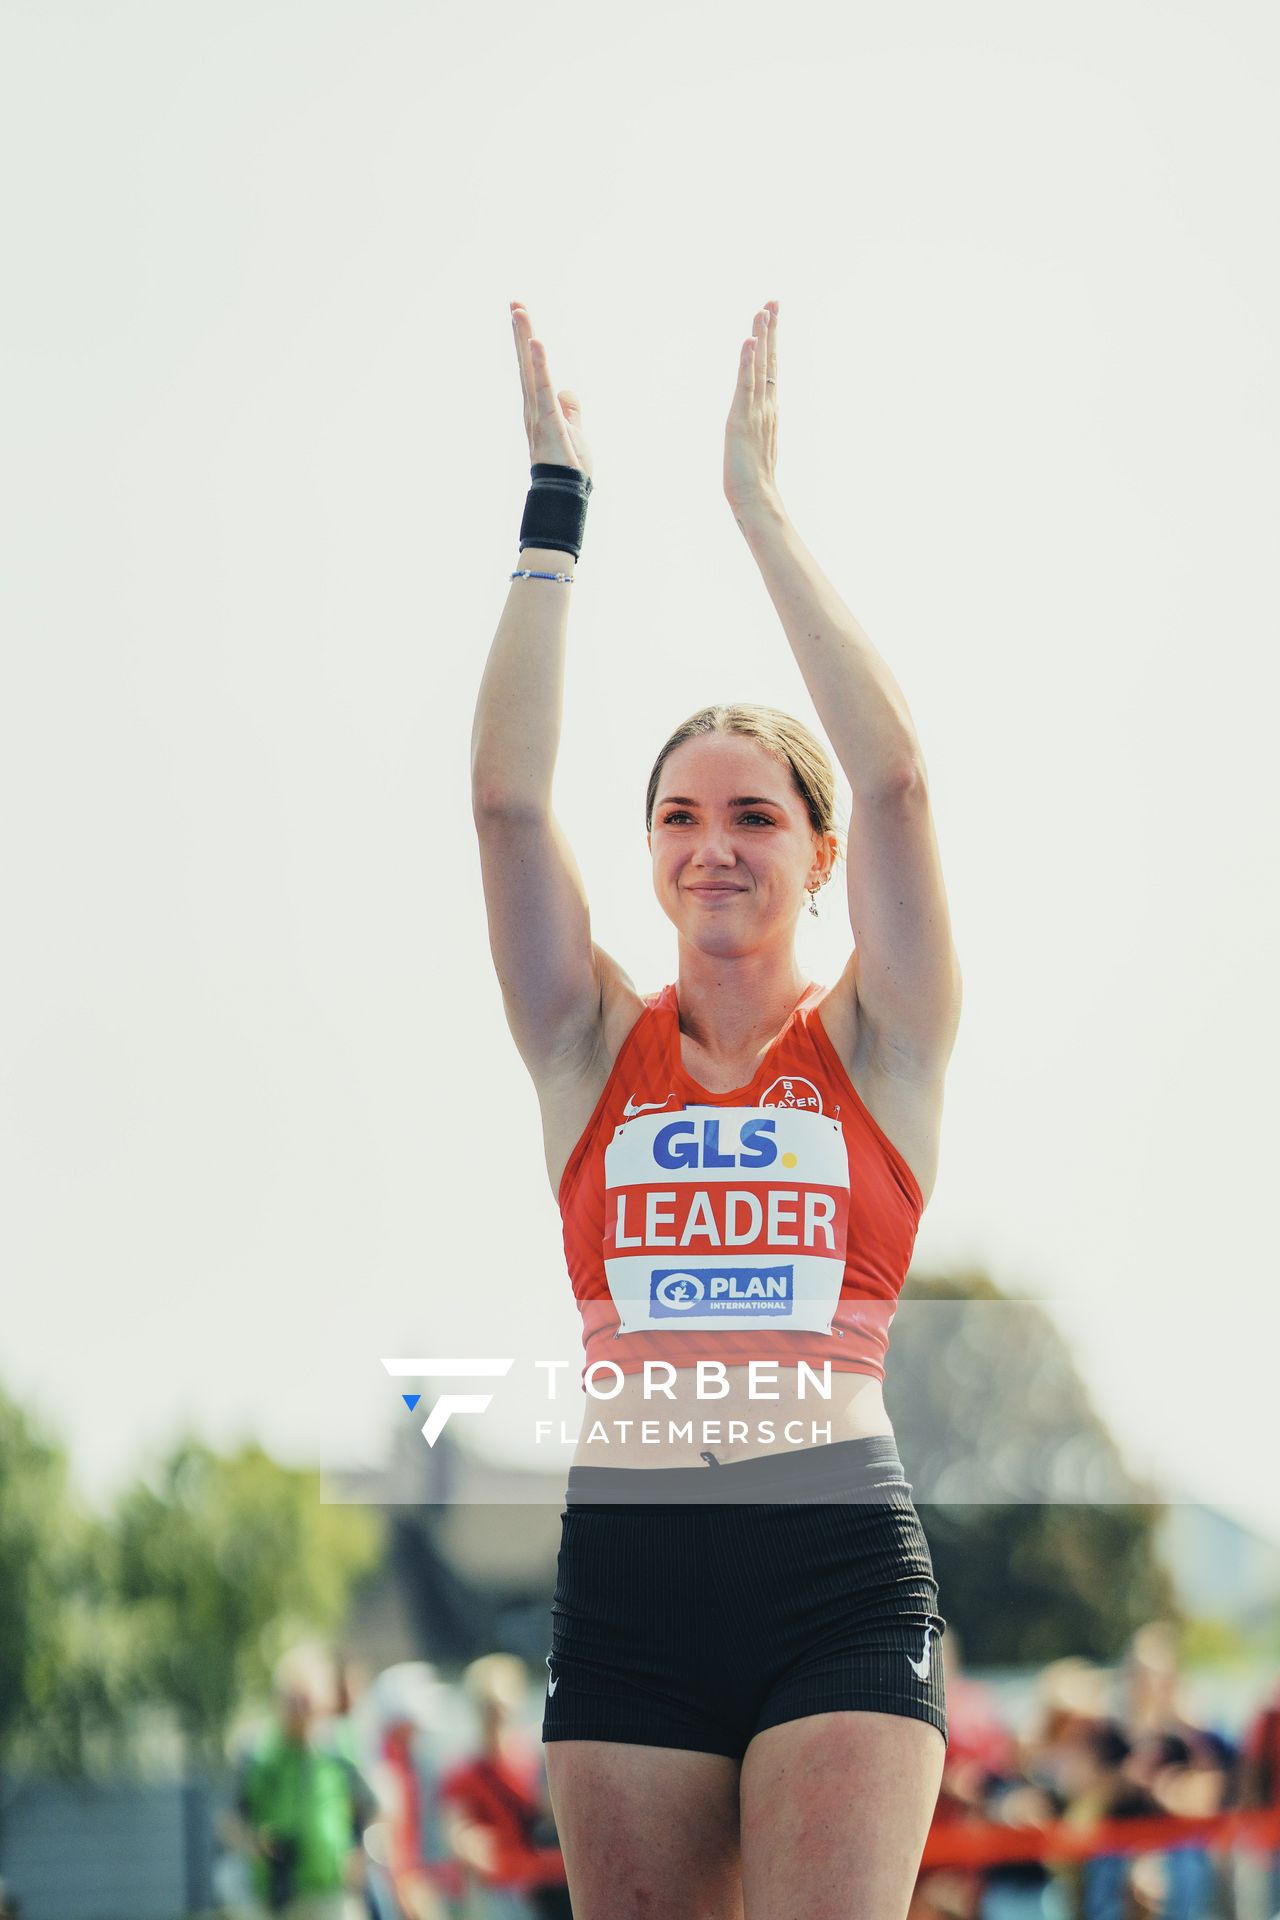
(921,1667)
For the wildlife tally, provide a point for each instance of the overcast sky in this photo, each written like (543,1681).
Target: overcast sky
(263,468)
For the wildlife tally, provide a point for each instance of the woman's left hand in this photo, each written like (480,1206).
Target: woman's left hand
(751,431)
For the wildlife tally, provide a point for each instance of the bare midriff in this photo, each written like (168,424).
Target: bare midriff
(673,1427)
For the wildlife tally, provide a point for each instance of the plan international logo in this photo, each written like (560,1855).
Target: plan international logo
(764,1293)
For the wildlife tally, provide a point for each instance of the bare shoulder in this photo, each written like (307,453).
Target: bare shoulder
(905,1104)
(569,1090)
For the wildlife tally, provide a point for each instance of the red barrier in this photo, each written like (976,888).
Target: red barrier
(986,1844)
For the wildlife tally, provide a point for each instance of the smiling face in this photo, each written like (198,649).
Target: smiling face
(732,844)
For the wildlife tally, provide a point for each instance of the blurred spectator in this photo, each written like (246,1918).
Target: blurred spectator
(1073,1697)
(1150,1682)
(1187,1777)
(497,1810)
(1183,1767)
(1257,1875)
(345,1729)
(1187,1774)
(343,1734)
(1022,1889)
(402,1720)
(478,1838)
(979,1748)
(1260,1754)
(1097,1787)
(301,1807)
(977,1735)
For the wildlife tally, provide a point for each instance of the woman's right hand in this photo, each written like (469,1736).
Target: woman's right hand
(553,421)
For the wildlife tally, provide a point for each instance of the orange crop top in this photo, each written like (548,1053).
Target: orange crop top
(774,1222)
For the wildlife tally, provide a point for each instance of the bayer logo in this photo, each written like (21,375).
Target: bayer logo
(680,1290)
(794,1093)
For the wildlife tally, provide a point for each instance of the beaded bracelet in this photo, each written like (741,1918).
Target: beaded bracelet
(527,573)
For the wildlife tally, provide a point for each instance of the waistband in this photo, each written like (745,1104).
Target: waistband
(862,1470)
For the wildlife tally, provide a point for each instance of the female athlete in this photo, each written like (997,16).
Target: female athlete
(745,1716)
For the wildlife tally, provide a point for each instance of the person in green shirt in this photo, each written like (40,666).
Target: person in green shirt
(302,1805)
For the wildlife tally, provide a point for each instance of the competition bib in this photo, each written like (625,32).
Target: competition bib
(732,1217)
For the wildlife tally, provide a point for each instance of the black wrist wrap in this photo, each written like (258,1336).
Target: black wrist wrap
(555,510)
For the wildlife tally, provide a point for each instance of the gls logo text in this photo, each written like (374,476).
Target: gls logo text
(679,1145)
(449,1403)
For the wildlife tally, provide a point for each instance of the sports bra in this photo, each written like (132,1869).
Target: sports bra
(772,1222)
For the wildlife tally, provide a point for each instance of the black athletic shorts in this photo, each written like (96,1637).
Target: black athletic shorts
(698,1619)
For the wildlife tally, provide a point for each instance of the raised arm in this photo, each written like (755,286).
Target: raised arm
(905,971)
(539,926)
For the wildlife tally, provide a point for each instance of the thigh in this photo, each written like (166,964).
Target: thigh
(642,1765)
(835,1809)
(841,1778)
(646,1830)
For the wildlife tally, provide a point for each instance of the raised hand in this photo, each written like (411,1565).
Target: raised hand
(553,421)
(751,431)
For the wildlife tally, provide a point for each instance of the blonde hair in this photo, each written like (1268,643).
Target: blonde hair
(786,738)
(307,1670)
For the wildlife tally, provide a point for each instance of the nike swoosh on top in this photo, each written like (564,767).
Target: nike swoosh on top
(634,1106)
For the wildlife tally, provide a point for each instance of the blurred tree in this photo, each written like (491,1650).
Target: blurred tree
(66,1679)
(1043,1543)
(1210,1642)
(223,1560)
(35,1515)
(86,1681)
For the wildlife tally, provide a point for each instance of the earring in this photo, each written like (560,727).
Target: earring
(813,905)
